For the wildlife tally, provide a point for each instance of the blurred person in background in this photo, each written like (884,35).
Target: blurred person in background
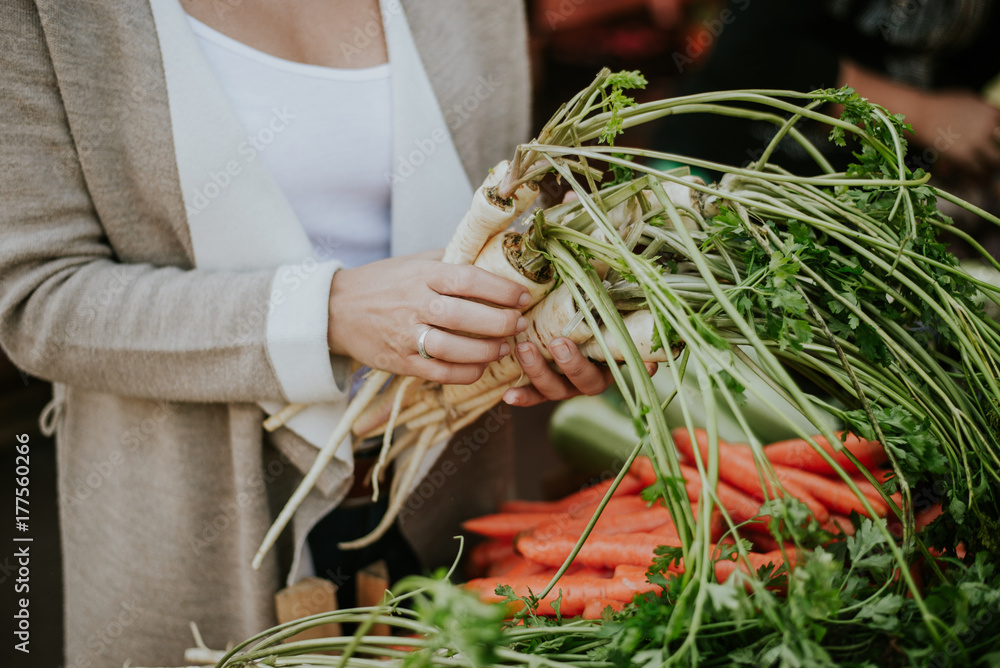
(929,60)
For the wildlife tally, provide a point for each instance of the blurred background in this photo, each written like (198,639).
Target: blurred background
(933,61)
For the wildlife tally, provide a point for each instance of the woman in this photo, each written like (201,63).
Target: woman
(157,270)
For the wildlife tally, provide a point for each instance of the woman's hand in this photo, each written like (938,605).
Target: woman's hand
(962,127)
(580,375)
(379,311)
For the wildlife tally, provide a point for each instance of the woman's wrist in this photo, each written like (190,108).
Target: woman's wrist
(894,96)
(335,334)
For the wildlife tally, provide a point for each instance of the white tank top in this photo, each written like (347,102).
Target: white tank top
(324,134)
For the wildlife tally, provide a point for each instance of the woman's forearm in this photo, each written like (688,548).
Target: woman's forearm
(956,126)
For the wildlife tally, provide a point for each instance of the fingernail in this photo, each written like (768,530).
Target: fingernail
(510,398)
(504,349)
(524,300)
(525,352)
(522,324)
(560,351)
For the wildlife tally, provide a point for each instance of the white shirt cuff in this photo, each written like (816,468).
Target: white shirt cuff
(297,332)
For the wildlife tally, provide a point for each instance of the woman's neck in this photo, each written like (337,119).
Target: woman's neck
(332,33)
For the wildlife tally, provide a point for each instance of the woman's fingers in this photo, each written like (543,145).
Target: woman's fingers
(378,312)
(462,315)
(581,375)
(543,378)
(585,376)
(446,373)
(523,396)
(470,282)
(458,349)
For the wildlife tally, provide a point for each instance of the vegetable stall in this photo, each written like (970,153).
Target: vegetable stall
(869,537)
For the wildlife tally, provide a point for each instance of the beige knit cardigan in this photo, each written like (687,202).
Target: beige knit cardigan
(167,483)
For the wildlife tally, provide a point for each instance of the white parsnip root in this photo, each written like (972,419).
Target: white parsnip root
(358,404)
(401,486)
(280,418)
(641,327)
(493,258)
(487,217)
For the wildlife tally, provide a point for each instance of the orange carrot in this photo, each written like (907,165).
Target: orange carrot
(740,506)
(488,552)
(922,519)
(881,474)
(589,572)
(581,590)
(628,571)
(649,519)
(838,523)
(617,505)
(646,519)
(524,567)
(798,453)
(682,439)
(595,607)
(503,525)
(833,494)
(642,468)
(600,550)
(737,467)
(575,591)
(762,541)
(513,564)
(587,497)
(556,523)
(485,589)
(928,515)
(869,490)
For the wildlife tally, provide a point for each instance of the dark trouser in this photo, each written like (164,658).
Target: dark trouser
(355,518)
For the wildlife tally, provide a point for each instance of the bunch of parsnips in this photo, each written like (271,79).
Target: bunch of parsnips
(837,278)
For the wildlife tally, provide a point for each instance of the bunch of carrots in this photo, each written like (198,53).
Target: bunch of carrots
(528,540)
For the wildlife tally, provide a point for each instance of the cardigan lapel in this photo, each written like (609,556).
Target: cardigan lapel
(189,153)
(430,188)
(238,216)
